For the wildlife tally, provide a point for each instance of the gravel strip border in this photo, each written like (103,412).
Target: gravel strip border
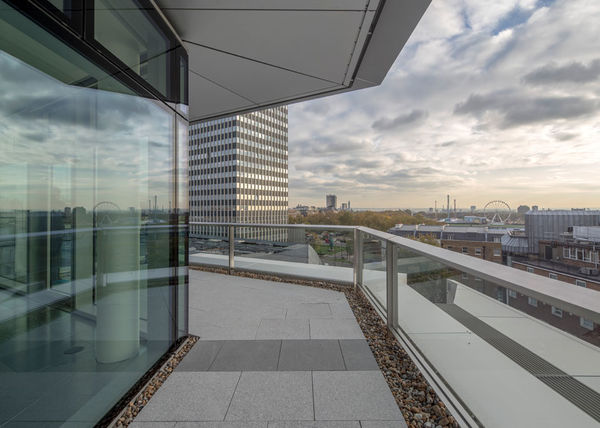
(128,414)
(420,405)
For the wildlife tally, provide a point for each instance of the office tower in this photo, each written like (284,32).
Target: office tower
(239,173)
(331,202)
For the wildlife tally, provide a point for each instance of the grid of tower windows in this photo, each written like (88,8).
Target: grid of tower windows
(239,173)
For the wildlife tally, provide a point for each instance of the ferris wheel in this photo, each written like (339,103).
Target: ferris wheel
(497,211)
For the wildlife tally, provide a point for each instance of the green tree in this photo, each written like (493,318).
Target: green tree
(383,220)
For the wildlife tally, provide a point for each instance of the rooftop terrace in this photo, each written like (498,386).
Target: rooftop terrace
(501,347)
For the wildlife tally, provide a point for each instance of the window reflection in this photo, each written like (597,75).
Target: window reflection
(129,34)
(87,195)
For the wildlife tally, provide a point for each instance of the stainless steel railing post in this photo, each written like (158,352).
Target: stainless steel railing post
(358,258)
(231,235)
(391,276)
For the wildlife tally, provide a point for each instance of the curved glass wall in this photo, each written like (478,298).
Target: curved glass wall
(93,230)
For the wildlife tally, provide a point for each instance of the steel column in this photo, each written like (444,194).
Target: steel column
(231,248)
(358,258)
(391,276)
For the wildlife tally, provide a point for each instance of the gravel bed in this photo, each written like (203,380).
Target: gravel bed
(417,400)
(134,407)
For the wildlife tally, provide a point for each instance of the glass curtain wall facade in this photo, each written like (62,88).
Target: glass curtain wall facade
(93,205)
(239,173)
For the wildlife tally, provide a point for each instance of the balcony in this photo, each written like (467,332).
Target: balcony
(500,347)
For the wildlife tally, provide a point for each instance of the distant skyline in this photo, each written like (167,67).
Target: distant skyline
(486,101)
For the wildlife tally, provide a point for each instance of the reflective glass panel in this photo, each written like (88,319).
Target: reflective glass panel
(86,236)
(129,33)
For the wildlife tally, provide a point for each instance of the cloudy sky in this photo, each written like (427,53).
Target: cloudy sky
(60,157)
(488,100)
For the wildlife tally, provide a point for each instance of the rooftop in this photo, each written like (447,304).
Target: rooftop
(486,337)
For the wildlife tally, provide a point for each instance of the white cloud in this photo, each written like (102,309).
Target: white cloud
(522,139)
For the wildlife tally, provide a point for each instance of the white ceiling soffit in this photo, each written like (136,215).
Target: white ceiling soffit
(250,54)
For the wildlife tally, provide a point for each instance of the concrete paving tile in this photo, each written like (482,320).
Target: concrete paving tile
(383,424)
(308,355)
(272,396)
(200,357)
(308,310)
(250,321)
(258,310)
(358,355)
(324,328)
(247,355)
(341,310)
(245,424)
(188,396)
(362,395)
(227,314)
(283,329)
(315,424)
(208,332)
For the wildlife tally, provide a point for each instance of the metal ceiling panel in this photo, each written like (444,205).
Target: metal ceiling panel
(251,54)
(209,99)
(270,4)
(316,43)
(241,76)
(363,34)
(396,22)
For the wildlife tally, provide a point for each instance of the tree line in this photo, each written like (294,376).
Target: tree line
(379,220)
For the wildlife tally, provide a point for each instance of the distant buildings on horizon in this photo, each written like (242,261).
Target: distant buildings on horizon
(330,205)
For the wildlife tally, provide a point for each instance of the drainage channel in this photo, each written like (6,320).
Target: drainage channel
(564,384)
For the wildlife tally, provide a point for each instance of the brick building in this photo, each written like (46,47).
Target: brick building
(573,258)
(490,251)
(477,241)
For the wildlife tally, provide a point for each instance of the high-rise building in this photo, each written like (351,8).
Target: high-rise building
(331,202)
(239,172)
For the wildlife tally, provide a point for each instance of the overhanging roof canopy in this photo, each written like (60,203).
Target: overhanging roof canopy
(249,54)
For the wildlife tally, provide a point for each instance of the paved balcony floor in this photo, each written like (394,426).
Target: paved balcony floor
(272,355)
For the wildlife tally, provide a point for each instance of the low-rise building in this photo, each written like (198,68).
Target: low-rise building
(573,258)
(481,242)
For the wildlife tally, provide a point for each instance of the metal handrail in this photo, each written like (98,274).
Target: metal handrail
(581,301)
(278,226)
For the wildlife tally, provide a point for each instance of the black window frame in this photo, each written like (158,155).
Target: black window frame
(78,31)
(49,21)
(175,51)
(75,21)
